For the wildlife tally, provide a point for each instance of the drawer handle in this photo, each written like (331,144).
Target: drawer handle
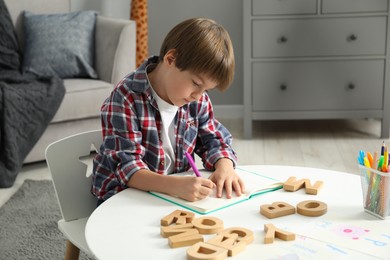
(282,39)
(283,87)
(351,86)
(352,37)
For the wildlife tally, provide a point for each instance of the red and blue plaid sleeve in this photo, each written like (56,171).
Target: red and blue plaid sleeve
(214,140)
(121,153)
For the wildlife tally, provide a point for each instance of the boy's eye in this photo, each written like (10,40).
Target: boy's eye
(195,84)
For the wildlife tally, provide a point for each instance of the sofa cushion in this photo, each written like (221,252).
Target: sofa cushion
(9,48)
(60,44)
(83,99)
(16,8)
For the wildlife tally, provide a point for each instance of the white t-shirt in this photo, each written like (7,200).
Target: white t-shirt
(168,113)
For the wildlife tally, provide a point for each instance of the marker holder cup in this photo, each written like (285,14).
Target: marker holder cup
(376,192)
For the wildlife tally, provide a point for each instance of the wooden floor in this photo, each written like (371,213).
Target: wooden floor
(328,144)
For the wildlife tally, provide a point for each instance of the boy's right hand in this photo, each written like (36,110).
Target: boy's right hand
(193,188)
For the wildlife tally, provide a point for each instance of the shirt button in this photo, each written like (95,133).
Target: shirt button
(162,162)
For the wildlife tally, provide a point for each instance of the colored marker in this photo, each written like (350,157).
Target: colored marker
(192,164)
(380,163)
(383,148)
(367,162)
(361,157)
(370,159)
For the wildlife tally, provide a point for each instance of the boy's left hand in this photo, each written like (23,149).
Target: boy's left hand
(226,178)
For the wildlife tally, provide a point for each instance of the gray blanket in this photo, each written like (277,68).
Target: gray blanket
(27,104)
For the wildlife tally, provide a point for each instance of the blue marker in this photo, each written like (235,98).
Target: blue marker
(361,157)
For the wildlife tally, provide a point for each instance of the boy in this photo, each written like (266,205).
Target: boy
(162,110)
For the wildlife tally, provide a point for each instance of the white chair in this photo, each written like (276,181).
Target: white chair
(70,164)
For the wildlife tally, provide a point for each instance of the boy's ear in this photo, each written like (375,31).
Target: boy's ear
(170,57)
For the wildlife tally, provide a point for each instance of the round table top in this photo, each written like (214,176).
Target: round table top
(128,224)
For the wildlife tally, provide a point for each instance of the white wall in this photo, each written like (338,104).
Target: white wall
(110,8)
(164,14)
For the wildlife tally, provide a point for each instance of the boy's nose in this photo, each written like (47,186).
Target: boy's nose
(196,95)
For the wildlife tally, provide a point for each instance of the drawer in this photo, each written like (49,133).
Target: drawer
(319,37)
(280,7)
(319,85)
(354,6)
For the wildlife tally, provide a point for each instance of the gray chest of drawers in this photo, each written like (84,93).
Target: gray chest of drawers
(316,59)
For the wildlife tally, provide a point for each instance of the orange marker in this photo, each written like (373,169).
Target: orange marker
(370,159)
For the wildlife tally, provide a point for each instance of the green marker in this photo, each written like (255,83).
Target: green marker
(380,163)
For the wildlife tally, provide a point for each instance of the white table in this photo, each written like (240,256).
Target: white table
(127,226)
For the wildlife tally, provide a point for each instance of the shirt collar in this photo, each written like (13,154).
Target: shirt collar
(140,79)
(140,82)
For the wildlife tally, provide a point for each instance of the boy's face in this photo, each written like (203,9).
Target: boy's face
(183,87)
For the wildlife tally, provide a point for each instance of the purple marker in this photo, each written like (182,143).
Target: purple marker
(192,164)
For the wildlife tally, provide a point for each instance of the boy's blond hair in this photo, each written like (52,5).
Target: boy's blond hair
(202,46)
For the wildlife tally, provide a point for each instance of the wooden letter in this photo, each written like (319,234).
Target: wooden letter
(277,209)
(179,217)
(181,235)
(244,235)
(229,242)
(311,208)
(205,251)
(208,225)
(313,189)
(187,238)
(292,184)
(175,229)
(271,232)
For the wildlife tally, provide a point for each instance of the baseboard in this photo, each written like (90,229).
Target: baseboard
(229,111)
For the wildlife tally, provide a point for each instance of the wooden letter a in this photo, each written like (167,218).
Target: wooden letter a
(229,242)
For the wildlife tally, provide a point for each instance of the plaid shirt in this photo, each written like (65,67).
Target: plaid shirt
(131,125)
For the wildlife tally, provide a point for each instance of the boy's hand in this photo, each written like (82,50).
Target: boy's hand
(193,188)
(224,176)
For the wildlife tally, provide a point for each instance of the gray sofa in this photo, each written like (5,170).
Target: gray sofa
(114,58)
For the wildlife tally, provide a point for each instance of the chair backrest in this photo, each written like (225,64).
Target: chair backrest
(68,161)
